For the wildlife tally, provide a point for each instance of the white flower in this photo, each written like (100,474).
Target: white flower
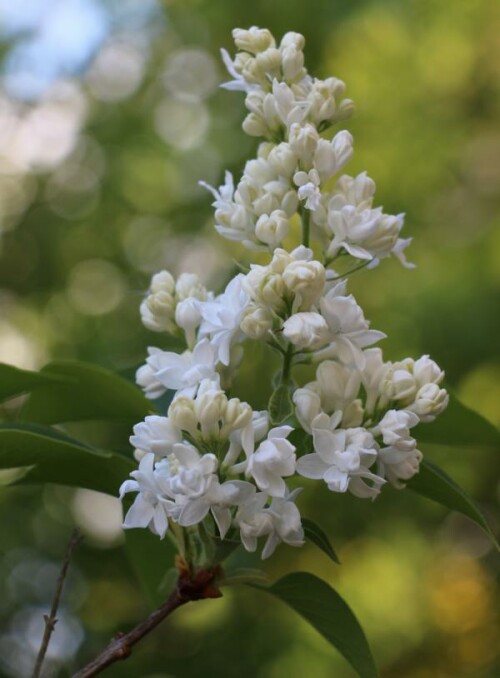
(157,309)
(188,318)
(222,317)
(396,464)
(373,376)
(253,40)
(325,105)
(189,285)
(273,460)
(280,522)
(341,458)
(358,191)
(184,372)
(405,379)
(394,427)
(245,439)
(145,378)
(363,232)
(307,405)
(149,509)
(349,330)
(306,280)
(429,402)
(233,219)
(308,183)
(331,156)
(221,497)
(303,140)
(291,48)
(281,159)
(257,322)
(238,83)
(400,382)
(288,108)
(185,474)
(426,371)
(272,228)
(306,330)
(338,386)
(155,435)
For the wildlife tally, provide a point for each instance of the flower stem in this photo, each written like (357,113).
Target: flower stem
(202,585)
(352,270)
(305,217)
(287,365)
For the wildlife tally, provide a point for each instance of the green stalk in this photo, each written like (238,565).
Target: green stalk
(287,365)
(305,216)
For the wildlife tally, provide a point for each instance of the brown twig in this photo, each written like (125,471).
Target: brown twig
(51,619)
(201,586)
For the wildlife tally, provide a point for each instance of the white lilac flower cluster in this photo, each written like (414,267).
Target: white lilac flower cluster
(213,459)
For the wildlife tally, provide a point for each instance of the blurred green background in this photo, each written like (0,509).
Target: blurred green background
(110,114)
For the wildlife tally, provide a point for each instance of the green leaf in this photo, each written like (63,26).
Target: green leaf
(314,533)
(50,456)
(459,425)
(327,612)
(302,440)
(14,381)
(223,548)
(433,483)
(244,575)
(280,404)
(89,392)
(151,559)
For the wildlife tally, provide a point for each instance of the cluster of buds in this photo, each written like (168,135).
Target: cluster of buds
(214,459)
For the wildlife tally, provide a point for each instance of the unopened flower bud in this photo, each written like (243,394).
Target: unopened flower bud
(426,371)
(253,40)
(399,382)
(273,228)
(306,330)
(282,159)
(303,141)
(146,379)
(307,406)
(255,126)
(429,402)
(292,64)
(257,322)
(210,408)
(268,63)
(162,282)
(182,415)
(157,309)
(331,156)
(306,280)
(237,415)
(189,285)
(188,317)
(292,39)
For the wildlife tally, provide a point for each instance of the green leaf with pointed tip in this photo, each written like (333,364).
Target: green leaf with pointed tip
(433,483)
(223,548)
(280,404)
(50,456)
(14,381)
(319,604)
(89,392)
(315,534)
(244,575)
(151,559)
(459,425)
